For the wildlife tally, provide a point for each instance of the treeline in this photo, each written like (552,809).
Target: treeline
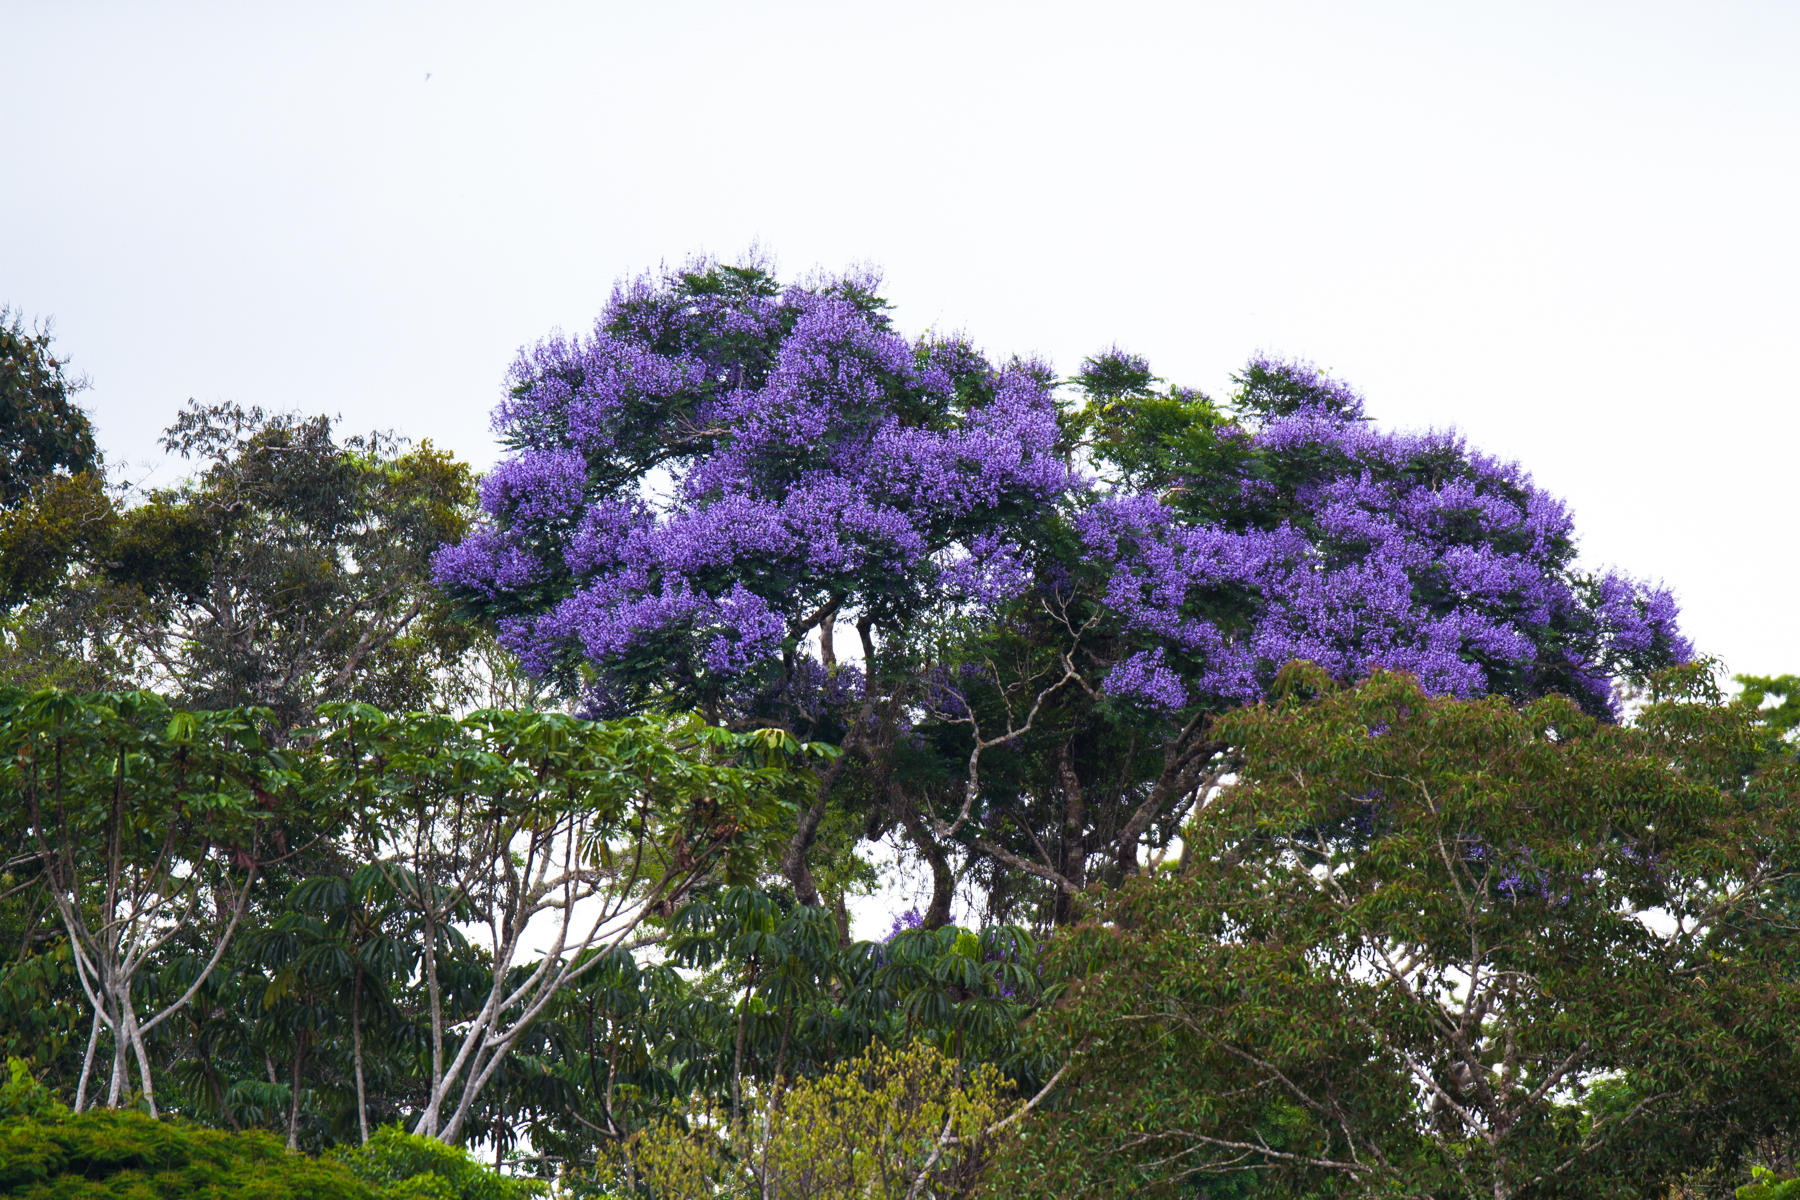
(1279,764)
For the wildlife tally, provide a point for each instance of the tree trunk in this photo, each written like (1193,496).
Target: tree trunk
(293,1118)
(142,1054)
(356,1053)
(116,1088)
(428,1120)
(1073,849)
(943,880)
(793,862)
(87,1063)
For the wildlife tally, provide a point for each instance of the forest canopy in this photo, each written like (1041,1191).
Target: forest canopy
(1319,824)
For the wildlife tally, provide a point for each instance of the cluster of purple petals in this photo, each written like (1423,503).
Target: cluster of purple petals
(581,393)
(1636,620)
(699,478)
(988,571)
(486,564)
(813,692)
(1381,566)
(539,485)
(843,463)
(903,921)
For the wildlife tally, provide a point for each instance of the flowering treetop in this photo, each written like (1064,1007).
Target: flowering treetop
(1299,531)
(728,475)
(724,465)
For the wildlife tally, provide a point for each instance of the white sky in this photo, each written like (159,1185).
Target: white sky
(1567,229)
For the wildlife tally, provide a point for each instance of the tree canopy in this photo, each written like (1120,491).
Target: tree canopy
(1052,589)
(42,430)
(1454,947)
(289,570)
(1320,825)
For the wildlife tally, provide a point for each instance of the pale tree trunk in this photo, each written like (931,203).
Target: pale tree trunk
(293,1115)
(142,1053)
(140,910)
(550,879)
(87,1063)
(356,1051)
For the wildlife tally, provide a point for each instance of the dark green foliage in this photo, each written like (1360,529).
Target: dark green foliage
(42,431)
(47,1153)
(53,505)
(127,809)
(341,870)
(325,1005)
(291,569)
(1403,950)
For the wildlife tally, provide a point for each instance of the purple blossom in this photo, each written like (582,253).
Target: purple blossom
(989,571)
(903,921)
(1145,677)
(1402,552)
(486,564)
(539,485)
(722,460)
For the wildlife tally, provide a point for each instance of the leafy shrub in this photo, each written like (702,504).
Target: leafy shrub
(1769,1186)
(885,1125)
(406,1167)
(134,1156)
(49,1153)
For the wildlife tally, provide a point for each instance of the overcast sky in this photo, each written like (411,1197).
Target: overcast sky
(1567,229)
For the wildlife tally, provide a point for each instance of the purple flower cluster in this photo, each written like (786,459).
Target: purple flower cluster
(708,469)
(903,921)
(724,463)
(1399,552)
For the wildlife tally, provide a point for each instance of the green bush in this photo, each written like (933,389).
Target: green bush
(1769,1186)
(133,1156)
(49,1153)
(404,1167)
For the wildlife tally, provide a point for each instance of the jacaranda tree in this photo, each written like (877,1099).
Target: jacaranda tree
(1053,589)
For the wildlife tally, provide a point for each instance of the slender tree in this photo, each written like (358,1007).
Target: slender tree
(145,824)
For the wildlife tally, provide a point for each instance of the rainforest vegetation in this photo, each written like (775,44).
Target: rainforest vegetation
(1289,811)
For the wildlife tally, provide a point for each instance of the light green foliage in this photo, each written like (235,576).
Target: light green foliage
(405,1167)
(1165,440)
(47,1153)
(886,1125)
(23,1096)
(1767,1185)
